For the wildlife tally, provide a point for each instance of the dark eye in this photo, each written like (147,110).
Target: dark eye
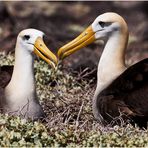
(26,37)
(102,24)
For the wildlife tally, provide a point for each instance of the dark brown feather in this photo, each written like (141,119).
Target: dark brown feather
(127,96)
(5,77)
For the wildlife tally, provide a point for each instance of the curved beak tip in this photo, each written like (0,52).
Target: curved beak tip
(42,51)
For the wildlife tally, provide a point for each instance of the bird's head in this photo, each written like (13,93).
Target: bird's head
(102,28)
(32,41)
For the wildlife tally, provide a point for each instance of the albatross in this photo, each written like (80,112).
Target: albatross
(121,92)
(19,96)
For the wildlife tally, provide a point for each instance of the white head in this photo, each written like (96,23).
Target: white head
(28,37)
(107,24)
(103,27)
(31,40)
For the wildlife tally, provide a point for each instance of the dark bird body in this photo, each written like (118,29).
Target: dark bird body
(5,75)
(126,96)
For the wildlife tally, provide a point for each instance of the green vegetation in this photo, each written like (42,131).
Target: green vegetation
(66,99)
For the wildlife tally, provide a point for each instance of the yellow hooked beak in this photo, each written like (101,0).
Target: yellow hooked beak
(42,51)
(84,39)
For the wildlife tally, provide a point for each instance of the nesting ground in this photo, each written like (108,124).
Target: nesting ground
(66,94)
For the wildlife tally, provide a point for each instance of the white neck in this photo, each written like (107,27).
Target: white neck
(22,82)
(112,61)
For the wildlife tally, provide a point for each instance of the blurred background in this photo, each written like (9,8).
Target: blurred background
(63,21)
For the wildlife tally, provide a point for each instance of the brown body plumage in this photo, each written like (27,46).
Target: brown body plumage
(5,75)
(126,97)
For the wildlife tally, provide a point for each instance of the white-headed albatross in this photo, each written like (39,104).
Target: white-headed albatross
(121,91)
(19,96)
